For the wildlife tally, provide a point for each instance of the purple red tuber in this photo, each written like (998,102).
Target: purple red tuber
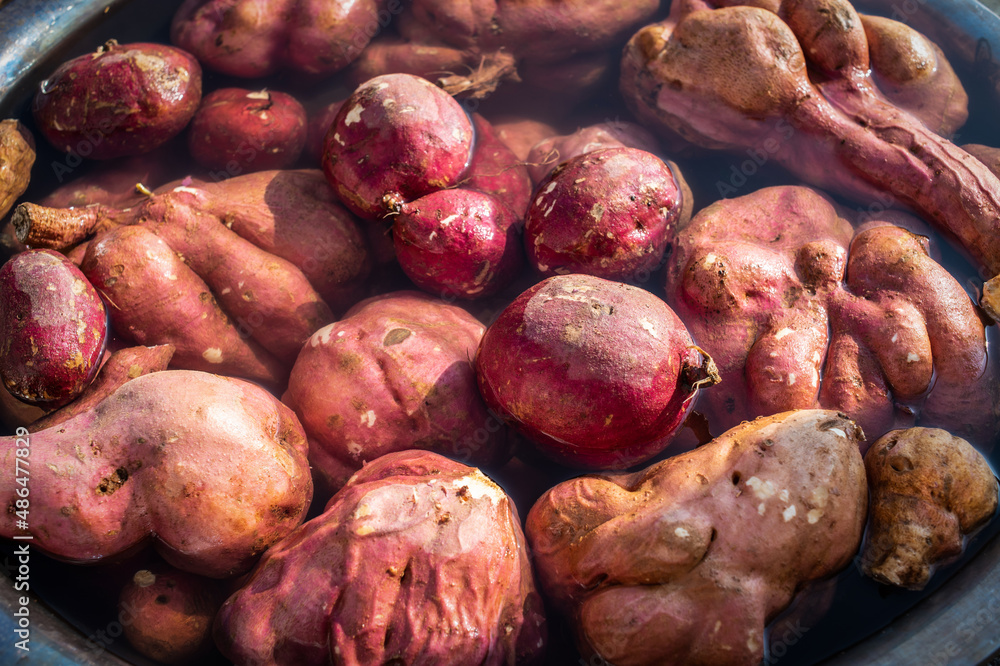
(53,328)
(595,373)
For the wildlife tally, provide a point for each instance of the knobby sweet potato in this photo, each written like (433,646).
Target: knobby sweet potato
(417,560)
(800,310)
(17,155)
(212,469)
(734,77)
(929,490)
(687,561)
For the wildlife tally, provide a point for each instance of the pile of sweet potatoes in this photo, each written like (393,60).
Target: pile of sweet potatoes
(371,359)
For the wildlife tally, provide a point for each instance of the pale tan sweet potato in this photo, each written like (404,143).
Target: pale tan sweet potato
(17,155)
(213,470)
(686,561)
(929,490)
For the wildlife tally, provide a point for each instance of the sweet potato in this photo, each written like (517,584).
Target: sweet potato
(395,373)
(929,490)
(17,155)
(521,133)
(458,243)
(380,153)
(317,125)
(53,328)
(546,154)
(253,38)
(212,469)
(800,310)
(124,99)
(496,170)
(417,560)
(610,213)
(595,373)
(171,614)
(686,561)
(238,131)
(269,248)
(913,73)
(120,366)
(799,81)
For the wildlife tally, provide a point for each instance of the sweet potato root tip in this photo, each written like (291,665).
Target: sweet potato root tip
(54,228)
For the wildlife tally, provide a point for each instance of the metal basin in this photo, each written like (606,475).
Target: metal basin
(958,622)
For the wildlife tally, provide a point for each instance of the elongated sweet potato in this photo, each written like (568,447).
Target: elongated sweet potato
(53,328)
(418,559)
(395,373)
(686,561)
(212,469)
(726,78)
(268,248)
(595,373)
(125,99)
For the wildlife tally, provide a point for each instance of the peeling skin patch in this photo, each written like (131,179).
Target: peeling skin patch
(649,328)
(448,220)
(597,212)
(813,516)
(368,418)
(322,336)
(788,513)
(710,260)
(477,485)
(895,337)
(212,355)
(838,431)
(782,333)
(912,358)
(761,508)
(682,533)
(354,115)
(762,489)
(354,449)
(550,187)
(791,378)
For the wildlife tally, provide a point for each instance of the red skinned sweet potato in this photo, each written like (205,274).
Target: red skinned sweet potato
(380,152)
(458,243)
(253,38)
(546,154)
(929,490)
(610,213)
(316,127)
(595,373)
(521,133)
(125,99)
(496,170)
(238,131)
(395,373)
(800,310)
(212,469)
(388,574)
(171,614)
(53,328)
(687,561)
